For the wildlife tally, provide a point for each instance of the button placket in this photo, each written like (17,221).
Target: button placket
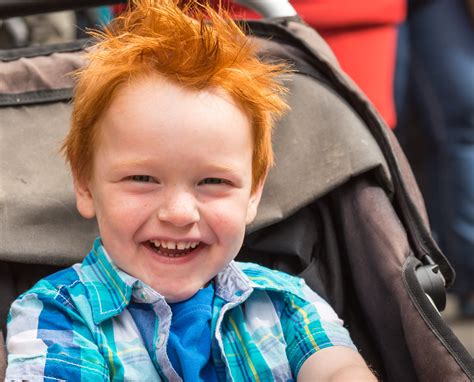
(163,311)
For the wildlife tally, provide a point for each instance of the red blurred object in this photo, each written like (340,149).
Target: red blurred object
(118,9)
(362,34)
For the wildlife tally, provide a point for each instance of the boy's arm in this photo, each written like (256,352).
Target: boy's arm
(334,364)
(319,347)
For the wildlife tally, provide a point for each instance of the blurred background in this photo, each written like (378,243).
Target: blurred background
(415,61)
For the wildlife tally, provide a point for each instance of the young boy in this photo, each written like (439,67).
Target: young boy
(169,147)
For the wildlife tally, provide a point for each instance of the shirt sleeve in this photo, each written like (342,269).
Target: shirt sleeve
(48,340)
(310,324)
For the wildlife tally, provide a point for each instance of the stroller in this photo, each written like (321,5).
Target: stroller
(340,209)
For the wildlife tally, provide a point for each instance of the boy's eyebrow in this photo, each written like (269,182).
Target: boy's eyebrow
(149,162)
(132,163)
(220,167)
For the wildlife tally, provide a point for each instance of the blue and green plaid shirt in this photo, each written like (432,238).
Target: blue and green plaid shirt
(94,322)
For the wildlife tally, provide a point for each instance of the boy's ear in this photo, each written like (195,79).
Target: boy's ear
(84,200)
(254,202)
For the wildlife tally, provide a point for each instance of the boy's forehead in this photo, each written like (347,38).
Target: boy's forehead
(155,103)
(166,93)
(168,87)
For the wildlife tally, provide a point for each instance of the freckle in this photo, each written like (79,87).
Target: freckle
(23,181)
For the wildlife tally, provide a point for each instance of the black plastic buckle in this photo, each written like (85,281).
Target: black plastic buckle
(432,281)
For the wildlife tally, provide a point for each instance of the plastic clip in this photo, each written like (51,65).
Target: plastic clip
(432,281)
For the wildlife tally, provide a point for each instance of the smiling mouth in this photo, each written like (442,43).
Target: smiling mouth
(172,249)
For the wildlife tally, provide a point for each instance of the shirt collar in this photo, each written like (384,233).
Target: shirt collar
(231,284)
(110,289)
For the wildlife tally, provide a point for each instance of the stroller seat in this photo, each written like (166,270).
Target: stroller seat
(340,208)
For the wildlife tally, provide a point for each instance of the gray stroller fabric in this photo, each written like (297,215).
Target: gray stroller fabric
(341,207)
(38,201)
(39,218)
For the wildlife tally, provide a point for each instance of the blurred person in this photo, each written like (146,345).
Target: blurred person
(363,36)
(435,99)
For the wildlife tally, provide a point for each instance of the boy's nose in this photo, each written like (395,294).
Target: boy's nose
(179,209)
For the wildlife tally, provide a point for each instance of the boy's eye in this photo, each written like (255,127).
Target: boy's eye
(141,178)
(213,181)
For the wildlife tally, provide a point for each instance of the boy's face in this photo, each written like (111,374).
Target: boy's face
(171,184)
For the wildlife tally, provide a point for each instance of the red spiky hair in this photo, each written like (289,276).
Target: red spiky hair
(193,45)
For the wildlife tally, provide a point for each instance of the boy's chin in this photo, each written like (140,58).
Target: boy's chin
(180,296)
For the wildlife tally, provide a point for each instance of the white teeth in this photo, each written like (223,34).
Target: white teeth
(180,245)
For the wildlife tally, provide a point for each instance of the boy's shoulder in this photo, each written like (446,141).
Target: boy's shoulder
(272,280)
(54,292)
(56,282)
(57,289)
(92,288)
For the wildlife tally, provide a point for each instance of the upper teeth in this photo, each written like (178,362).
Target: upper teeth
(175,244)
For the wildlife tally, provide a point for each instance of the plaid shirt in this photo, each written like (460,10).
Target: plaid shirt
(94,322)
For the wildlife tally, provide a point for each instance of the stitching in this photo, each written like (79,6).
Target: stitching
(80,366)
(294,348)
(99,300)
(305,357)
(60,294)
(53,378)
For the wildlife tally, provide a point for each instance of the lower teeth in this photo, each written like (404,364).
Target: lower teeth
(172,254)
